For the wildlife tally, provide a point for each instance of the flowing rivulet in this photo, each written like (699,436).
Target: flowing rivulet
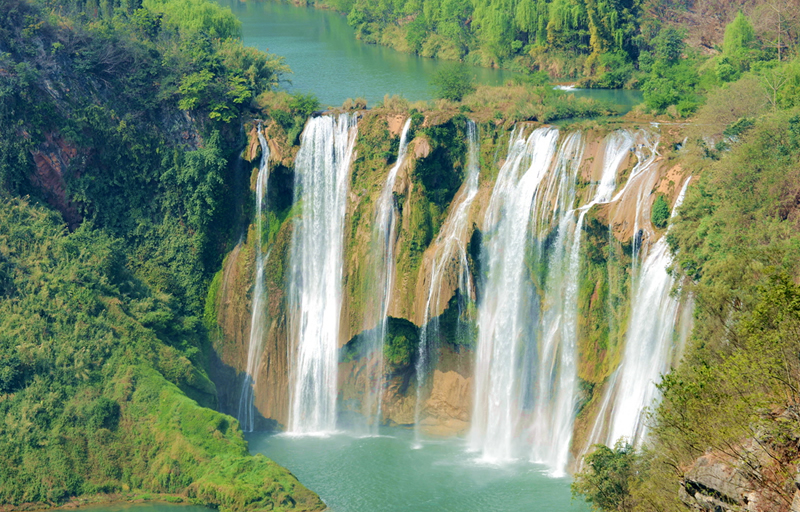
(246,414)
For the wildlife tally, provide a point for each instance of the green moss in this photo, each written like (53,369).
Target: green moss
(442,171)
(603,301)
(399,349)
(374,149)
(210,309)
(457,323)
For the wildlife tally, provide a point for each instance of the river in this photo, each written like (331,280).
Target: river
(385,474)
(327,59)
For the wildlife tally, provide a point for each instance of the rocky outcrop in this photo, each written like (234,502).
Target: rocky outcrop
(748,480)
(52,160)
(233,307)
(447,411)
(714,483)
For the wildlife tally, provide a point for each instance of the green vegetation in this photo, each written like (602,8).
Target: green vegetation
(568,35)
(117,196)
(670,79)
(604,303)
(457,323)
(659,212)
(399,349)
(453,83)
(605,482)
(526,101)
(402,340)
(86,403)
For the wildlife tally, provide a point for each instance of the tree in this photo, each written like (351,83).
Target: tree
(605,481)
(772,80)
(453,82)
(668,45)
(737,48)
(739,34)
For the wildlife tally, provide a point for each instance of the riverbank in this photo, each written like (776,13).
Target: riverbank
(328,61)
(114,498)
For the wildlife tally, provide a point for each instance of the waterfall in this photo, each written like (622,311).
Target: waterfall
(646,151)
(649,347)
(527,356)
(450,258)
(618,145)
(508,309)
(384,236)
(315,275)
(255,345)
(556,387)
(556,368)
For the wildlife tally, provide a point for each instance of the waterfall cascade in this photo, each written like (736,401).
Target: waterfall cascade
(525,384)
(246,412)
(650,347)
(508,310)
(555,388)
(449,259)
(315,280)
(384,237)
(526,364)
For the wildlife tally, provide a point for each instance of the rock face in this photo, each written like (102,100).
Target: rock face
(447,394)
(52,161)
(718,482)
(447,411)
(713,483)
(232,306)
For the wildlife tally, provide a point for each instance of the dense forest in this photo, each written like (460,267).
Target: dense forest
(607,44)
(116,183)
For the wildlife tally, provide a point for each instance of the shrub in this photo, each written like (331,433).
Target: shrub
(453,82)
(660,212)
(303,104)
(605,481)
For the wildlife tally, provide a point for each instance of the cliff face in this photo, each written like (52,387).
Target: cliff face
(232,304)
(424,206)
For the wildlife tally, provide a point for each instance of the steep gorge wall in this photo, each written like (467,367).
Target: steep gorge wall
(231,299)
(605,281)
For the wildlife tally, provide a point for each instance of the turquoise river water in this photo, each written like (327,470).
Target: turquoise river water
(385,474)
(327,59)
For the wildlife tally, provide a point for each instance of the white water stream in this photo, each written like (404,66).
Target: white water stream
(246,414)
(449,259)
(384,236)
(315,281)
(650,346)
(508,311)
(526,364)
